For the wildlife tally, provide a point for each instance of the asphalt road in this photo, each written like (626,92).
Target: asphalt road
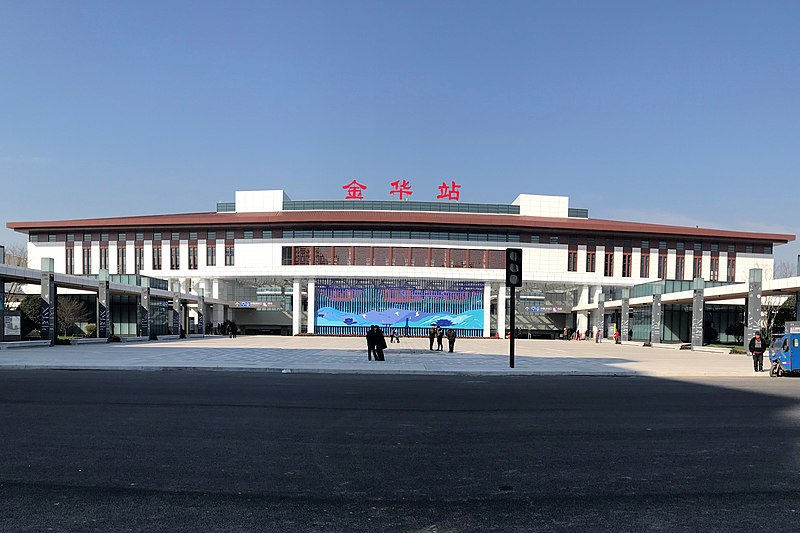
(195,451)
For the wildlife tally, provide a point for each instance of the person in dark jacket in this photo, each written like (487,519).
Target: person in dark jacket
(451,339)
(439,338)
(432,335)
(757,348)
(380,344)
(371,343)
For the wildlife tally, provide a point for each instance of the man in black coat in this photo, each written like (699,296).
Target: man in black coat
(371,343)
(380,344)
(451,338)
(432,335)
(757,348)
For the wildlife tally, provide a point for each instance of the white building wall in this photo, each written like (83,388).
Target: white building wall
(537,205)
(260,201)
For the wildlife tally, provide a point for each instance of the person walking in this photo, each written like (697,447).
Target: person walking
(395,336)
(757,348)
(234,329)
(439,338)
(616,337)
(451,339)
(432,335)
(380,344)
(597,336)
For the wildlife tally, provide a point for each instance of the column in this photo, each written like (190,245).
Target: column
(501,311)
(297,307)
(487,310)
(655,318)
(624,320)
(49,329)
(312,311)
(797,295)
(103,306)
(201,312)
(753,323)
(698,314)
(218,313)
(601,315)
(177,311)
(2,295)
(144,310)
(583,316)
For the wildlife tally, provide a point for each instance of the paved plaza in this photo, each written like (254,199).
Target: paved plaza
(411,356)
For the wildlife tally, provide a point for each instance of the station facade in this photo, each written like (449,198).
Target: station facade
(337,266)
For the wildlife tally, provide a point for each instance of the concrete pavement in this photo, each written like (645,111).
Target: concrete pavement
(348,355)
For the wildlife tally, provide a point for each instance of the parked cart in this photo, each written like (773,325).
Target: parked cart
(784,354)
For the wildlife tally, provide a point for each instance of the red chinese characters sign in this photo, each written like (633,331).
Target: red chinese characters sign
(449,192)
(401,187)
(354,190)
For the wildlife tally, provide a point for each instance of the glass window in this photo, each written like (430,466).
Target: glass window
(212,235)
(229,235)
(591,260)
(192,235)
(211,255)
(343,234)
(51,237)
(156,235)
(121,260)
(121,237)
(139,236)
(419,257)
(662,245)
(553,239)
(322,255)
(104,237)
(87,237)
(87,261)
(70,260)
(767,249)
(715,247)
(439,257)
(680,263)
(156,257)
(362,234)
(286,255)
(174,258)
(477,259)
(176,236)
(70,237)
(380,256)
(644,267)
(103,258)
(229,255)
(698,247)
(400,256)
(33,237)
(302,255)
(627,264)
(645,244)
(748,249)
(193,258)
(731,248)
(341,255)
(608,266)
(361,256)
(248,234)
(458,258)
(138,259)
(680,246)
(572,261)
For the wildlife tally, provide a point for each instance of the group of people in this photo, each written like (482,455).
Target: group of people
(376,342)
(437,334)
(228,328)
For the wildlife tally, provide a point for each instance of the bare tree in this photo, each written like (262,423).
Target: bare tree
(70,311)
(771,305)
(16,255)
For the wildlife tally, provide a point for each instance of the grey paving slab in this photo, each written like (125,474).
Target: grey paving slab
(411,356)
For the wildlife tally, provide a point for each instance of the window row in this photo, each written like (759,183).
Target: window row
(644,265)
(387,256)
(138,258)
(248,234)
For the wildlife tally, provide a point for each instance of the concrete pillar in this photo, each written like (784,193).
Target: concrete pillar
(501,311)
(753,305)
(655,319)
(487,310)
(297,307)
(312,310)
(103,306)
(698,313)
(600,316)
(144,311)
(201,312)
(797,295)
(48,302)
(583,316)
(219,314)
(624,319)
(2,295)
(177,312)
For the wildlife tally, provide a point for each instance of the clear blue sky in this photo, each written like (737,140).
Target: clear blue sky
(653,111)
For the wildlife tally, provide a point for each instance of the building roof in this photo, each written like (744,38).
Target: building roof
(372,219)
